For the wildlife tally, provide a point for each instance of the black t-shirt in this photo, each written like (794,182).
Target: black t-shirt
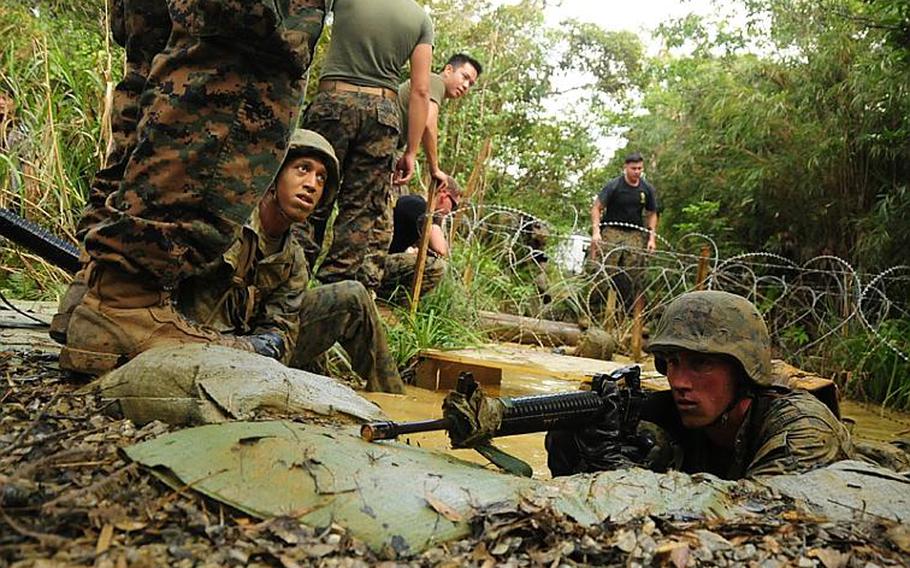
(408,218)
(624,203)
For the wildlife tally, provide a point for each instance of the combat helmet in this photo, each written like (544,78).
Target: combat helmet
(305,142)
(715,322)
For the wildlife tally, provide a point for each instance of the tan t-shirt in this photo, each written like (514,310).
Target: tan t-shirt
(437,95)
(373,39)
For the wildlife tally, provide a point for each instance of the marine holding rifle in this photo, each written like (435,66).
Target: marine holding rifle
(723,413)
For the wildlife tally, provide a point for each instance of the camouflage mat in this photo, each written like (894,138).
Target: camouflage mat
(394,496)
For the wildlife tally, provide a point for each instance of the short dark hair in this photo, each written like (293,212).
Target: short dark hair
(633,157)
(460,59)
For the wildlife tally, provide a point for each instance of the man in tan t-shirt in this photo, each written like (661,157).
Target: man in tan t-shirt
(460,73)
(356,110)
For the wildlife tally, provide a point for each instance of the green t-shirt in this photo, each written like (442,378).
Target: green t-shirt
(437,95)
(373,39)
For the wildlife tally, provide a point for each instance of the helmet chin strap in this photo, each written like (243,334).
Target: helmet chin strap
(274,193)
(724,416)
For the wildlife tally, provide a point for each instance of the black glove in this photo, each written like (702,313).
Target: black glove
(269,344)
(601,448)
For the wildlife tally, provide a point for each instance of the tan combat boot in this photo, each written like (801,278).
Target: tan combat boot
(121,316)
(71,298)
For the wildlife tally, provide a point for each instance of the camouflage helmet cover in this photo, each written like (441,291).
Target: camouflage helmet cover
(715,322)
(306,141)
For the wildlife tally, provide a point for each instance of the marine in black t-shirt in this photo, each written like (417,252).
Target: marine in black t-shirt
(408,219)
(624,203)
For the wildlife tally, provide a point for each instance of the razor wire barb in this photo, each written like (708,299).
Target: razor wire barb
(805,304)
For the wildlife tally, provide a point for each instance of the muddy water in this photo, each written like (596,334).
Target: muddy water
(869,422)
(872,423)
(422,404)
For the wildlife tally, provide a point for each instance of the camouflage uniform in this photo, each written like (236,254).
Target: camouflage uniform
(141,27)
(243,296)
(399,274)
(783,431)
(618,261)
(363,129)
(213,125)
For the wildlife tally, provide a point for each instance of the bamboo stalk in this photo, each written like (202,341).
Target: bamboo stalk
(422,251)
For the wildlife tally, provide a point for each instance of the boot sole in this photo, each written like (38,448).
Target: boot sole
(89,362)
(59,323)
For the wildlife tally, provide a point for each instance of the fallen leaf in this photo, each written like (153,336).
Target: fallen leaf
(900,536)
(443,508)
(830,557)
(128,526)
(104,539)
(679,556)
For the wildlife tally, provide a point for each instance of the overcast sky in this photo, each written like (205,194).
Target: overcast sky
(639,16)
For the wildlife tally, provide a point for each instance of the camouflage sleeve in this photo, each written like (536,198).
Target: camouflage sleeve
(280,311)
(799,435)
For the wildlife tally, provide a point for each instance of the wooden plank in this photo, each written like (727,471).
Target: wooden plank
(513,359)
(443,375)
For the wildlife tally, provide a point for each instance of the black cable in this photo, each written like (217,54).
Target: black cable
(7,303)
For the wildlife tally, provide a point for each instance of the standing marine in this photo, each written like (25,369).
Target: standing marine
(617,231)
(457,77)
(206,111)
(356,110)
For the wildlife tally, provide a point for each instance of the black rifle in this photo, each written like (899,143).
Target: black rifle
(35,238)
(540,413)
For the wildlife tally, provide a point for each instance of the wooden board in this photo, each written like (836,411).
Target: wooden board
(513,359)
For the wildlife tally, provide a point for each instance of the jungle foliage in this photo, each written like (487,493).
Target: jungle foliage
(777,125)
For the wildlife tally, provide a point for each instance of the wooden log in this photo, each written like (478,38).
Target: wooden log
(520,329)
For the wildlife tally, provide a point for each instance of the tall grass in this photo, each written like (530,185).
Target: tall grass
(54,72)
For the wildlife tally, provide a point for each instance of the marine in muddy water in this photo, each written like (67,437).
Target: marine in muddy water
(723,414)
(409,216)
(259,293)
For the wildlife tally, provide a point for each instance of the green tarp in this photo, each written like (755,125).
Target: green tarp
(393,495)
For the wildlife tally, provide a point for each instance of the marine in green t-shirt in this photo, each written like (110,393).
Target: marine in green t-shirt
(460,73)
(373,39)
(357,112)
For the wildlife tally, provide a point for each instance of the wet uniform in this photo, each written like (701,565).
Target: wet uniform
(409,216)
(371,42)
(785,431)
(260,286)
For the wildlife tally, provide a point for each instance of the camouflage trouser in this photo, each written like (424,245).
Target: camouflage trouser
(363,130)
(344,312)
(213,126)
(399,274)
(141,27)
(618,262)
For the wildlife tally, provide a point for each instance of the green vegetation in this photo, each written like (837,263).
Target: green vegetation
(790,134)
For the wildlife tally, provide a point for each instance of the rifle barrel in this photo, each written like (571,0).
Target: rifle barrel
(389,430)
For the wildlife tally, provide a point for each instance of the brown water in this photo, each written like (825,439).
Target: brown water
(869,422)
